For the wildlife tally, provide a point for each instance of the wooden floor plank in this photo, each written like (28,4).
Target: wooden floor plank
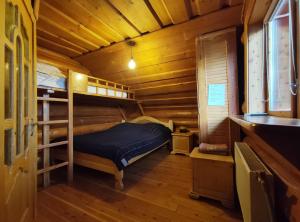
(156,189)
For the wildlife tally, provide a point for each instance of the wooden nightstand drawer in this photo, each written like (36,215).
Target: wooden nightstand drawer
(182,143)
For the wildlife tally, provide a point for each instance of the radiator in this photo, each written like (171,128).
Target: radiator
(254,185)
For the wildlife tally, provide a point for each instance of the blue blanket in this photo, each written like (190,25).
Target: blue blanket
(123,141)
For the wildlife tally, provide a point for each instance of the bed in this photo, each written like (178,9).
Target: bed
(112,150)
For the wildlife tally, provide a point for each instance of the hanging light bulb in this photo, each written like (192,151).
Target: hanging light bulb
(131,63)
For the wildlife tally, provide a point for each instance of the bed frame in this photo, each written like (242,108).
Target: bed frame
(107,165)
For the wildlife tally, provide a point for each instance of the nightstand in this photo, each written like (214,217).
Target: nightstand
(182,143)
(213,177)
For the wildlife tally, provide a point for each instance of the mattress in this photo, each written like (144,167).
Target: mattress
(50,77)
(123,141)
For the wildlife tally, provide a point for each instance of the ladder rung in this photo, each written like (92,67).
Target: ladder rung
(50,122)
(52,99)
(41,146)
(53,167)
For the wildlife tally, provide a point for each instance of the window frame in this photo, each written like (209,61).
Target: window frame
(269,16)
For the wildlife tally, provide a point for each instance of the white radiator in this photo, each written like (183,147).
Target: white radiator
(254,185)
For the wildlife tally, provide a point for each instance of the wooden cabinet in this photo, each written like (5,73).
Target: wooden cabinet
(213,177)
(182,143)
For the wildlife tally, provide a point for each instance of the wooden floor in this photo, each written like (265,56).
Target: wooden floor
(156,189)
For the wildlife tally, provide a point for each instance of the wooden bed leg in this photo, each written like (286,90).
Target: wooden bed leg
(119,180)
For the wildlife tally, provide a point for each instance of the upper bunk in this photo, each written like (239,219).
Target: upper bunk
(82,85)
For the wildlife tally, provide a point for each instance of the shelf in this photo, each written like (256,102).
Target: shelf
(52,99)
(252,121)
(52,122)
(53,167)
(41,146)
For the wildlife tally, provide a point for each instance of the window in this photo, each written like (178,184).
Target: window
(281,69)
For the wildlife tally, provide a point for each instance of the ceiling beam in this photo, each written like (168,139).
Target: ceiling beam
(148,4)
(123,16)
(51,36)
(83,11)
(58,16)
(45,43)
(138,13)
(47,23)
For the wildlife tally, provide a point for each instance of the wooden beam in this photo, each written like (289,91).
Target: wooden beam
(122,113)
(45,43)
(70,128)
(82,12)
(153,13)
(60,18)
(46,140)
(161,11)
(51,36)
(60,30)
(141,108)
(36,8)
(177,12)
(137,12)
(123,16)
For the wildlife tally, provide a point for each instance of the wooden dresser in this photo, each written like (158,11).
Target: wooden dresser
(182,143)
(213,177)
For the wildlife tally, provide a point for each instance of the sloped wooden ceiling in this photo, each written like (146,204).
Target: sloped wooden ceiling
(76,27)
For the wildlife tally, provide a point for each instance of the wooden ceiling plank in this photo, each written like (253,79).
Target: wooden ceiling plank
(45,43)
(61,19)
(203,7)
(114,67)
(51,36)
(151,9)
(60,30)
(160,10)
(76,10)
(189,9)
(234,2)
(105,13)
(177,12)
(137,12)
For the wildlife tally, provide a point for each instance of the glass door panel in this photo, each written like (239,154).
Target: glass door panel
(9,81)
(20,96)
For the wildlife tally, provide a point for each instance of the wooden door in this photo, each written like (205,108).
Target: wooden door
(217,84)
(17,111)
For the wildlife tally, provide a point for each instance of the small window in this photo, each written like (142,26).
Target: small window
(280,58)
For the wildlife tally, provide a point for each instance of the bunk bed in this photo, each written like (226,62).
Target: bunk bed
(109,151)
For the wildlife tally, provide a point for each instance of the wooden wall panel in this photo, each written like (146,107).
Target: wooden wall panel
(164,79)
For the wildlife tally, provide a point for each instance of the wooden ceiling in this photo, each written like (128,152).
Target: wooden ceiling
(76,27)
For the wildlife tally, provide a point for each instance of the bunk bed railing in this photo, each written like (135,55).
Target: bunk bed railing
(85,84)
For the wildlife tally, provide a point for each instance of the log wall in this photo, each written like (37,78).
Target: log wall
(165,77)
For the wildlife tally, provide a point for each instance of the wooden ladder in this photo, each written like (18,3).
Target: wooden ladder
(46,145)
